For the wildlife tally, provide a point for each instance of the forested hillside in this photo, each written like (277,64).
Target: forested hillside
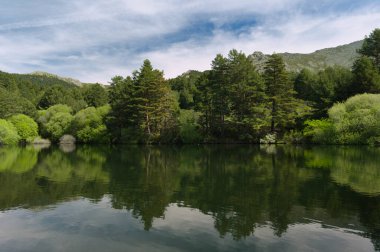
(343,55)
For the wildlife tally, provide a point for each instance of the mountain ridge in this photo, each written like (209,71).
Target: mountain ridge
(342,55)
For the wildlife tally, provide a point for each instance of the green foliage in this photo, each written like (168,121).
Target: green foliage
(55,121)
(12,103)
(366,69)
(246,95)
(89,126)
(320,131)
(26,127)
(189,127)
(45,115)
(185,85)
(8,133)
(294,137)
(58,125)
(357,121)
(366,76)
(284,107)
(321,90)
(371,47)
(241,99)
(95,95)
(232,100)
(60,95)
(143,104)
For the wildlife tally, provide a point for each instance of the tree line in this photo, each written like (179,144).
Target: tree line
(233,102)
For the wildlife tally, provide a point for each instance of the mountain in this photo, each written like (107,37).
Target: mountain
(343,55)
(65,79)
(7,80)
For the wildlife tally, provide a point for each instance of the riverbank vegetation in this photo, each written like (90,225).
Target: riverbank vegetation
(233,102)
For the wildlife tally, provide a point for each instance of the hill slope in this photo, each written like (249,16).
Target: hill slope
(53,76)
(343,55)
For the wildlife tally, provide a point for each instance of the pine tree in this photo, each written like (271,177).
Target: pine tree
(123,107)
(156,104)
(371,47)
(246,92)
(284,107)
(144,105)
(219,84)
(366,76)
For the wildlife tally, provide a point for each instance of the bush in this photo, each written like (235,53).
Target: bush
(189,127)
(8,133)
(357,121)
(55,121)
(89,126)
(26,127)
(294,137)
(319,131)
(58,125)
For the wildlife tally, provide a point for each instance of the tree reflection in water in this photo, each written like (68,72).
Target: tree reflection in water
(241,187)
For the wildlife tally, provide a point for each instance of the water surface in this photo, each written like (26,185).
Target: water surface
(204,198)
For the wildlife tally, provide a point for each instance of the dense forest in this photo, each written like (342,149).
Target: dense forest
(233,102)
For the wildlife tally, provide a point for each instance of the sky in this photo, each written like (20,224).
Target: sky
(94,40)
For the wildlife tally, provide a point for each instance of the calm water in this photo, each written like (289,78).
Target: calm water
(210,198)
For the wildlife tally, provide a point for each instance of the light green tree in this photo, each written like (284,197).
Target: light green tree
(55,121)
(26,127)
(8,133)
(88,125)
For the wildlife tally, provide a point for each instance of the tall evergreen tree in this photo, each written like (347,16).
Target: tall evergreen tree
(246,92)
(366,76)
(123,108)
(156,104)
(371,47)
(284,107)
(366,69)
(144,104)
(219,85)
(203,101)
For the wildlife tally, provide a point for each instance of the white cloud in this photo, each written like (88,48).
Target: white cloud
(95,40)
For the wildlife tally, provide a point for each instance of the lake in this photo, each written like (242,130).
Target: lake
(190,198)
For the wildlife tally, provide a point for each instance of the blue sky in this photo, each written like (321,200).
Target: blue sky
(94,40)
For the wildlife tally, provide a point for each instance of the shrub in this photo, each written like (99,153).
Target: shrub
(293,136)
(26,127)
(55,121)
(189,127)
(58,125)
(357,121)
(8,133)
(320,131)
(89,126)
